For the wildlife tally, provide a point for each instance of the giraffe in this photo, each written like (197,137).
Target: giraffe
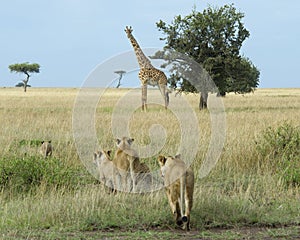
(148,74)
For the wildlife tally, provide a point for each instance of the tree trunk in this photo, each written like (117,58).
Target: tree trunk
(203,100)
(119,83)
(25,85)
(25,81)
(121,73)
(221,94)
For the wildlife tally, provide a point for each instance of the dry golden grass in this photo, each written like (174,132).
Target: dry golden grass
(46,114)
(236,187)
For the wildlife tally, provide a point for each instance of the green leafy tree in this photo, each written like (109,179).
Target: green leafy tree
(212,38)
(25,68)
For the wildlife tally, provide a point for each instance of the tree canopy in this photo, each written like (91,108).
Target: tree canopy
(212,38)
(25,68)
(21,84)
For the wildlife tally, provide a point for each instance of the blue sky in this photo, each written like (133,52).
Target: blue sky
(69,38)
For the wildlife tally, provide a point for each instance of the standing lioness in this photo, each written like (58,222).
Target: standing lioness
(179,185)
(129,166)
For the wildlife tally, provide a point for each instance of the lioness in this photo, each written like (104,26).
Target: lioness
(179,185)
(46,148)
(143,177)
(128,163)
(106,169)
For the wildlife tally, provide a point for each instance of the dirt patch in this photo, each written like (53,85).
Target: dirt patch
(249,232)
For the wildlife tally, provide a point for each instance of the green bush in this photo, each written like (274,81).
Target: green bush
(279,149)
(22,174)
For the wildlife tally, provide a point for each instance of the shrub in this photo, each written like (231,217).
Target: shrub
(22,174)
(279,149)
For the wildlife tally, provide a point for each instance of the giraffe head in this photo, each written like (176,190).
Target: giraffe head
(128,30)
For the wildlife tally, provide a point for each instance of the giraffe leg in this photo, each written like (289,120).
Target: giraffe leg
(165,94)
(144,97)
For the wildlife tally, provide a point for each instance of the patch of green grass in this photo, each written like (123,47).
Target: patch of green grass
(105,110)
(279,149)
(30,172)
(32,143)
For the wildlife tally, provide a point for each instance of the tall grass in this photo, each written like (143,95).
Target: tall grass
(240,190)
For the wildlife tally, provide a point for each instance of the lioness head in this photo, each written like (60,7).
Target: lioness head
(101,156)
(165,162)
(124,143)
(162,160)
(45,144)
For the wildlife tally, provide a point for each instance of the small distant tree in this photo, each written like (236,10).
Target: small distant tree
(121,73)
(25,68)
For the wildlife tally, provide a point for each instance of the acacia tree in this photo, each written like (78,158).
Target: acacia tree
(213,38)
(121,73)
(25,68)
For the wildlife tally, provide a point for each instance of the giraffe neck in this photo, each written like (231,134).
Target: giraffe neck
(143,61)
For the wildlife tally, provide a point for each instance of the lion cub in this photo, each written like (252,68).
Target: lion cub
(128,164)
(46,148)
(106,169)
(179,185)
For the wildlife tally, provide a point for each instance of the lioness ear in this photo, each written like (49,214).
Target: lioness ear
(108,152)
(95,155)
(161,159)
(178,156)
(118,140)
(42,142)
(49,141)
(130,141)
(100,153)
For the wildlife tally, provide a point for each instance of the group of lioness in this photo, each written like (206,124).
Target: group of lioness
(125,172)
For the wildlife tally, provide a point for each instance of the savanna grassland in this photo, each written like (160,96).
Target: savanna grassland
(252,192)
